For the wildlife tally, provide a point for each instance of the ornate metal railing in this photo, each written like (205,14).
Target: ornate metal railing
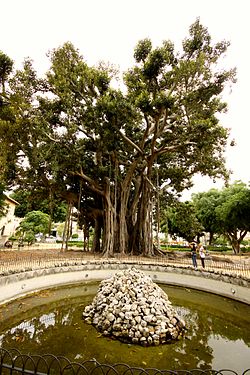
(13,362)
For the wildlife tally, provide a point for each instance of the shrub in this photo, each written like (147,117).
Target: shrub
(220,249)
(245,249)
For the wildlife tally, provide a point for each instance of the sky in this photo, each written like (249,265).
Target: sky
(108,30)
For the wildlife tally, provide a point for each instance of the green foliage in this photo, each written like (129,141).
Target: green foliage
(205,205)
(180,98)
(182,221)
(60,229)
(13,238)
(225,212)
(234,207)
(37,200)
(245,249)
(6,117)
(33,223)
(142,50)
(221,240)
(175,248)
(29,237)
(6,65)
(73,138)
(219,249)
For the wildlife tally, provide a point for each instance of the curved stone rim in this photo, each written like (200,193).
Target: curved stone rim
(14,286)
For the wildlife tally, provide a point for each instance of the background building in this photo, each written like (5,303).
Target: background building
(8,222)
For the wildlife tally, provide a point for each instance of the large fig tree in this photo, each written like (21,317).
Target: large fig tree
(108,152)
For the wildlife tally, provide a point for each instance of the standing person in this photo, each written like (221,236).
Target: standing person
(202,255)
(193,254)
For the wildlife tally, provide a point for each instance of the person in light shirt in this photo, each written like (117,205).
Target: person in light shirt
(202,255)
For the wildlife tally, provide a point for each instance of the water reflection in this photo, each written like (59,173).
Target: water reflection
(234,353)
(217,331)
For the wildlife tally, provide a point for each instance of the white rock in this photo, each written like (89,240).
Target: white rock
(132,308)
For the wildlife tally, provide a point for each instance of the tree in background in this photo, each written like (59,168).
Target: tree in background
(38,201)
(6,117)
(181,221)
(205,205)
(225,212)
(34,222)
(6,66)
(27,169)
(233,212)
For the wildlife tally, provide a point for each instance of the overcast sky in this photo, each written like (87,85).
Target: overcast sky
(108,30)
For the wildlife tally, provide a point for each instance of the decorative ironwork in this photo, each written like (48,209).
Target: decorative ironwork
(15,363)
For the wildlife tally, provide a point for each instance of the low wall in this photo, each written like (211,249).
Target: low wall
(20,284)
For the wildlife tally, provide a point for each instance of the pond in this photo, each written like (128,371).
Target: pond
(51,321)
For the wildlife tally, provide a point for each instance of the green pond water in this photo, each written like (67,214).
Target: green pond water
(217,336)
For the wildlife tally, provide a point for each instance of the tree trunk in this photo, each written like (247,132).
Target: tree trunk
(132,217)
(51,208)
(66,228)
(157,207)
(96,246)
(123,230)
(145,238)
(123,213)
(235,239)
(85,237)
(235,245)
(108,217)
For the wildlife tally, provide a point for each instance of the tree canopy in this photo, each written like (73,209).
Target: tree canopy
(180,220)
(225,212)
(34,222)
(39,201)
(74,137)
(233,212)
(205,208)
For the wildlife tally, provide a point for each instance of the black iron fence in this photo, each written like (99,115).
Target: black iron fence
(14,363)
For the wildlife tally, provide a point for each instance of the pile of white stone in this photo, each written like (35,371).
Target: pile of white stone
(130,307)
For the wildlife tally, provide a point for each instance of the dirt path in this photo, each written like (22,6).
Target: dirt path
(41,253)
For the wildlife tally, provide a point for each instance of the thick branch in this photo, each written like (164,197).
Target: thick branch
(150,183)
(242,234)
(130,142)
(52,139)
(146,133)
(164,122)
(163,150)
(91,182)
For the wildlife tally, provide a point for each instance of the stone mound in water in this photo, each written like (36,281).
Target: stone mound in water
(130,307)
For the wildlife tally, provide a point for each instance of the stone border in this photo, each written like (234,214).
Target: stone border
(20,284)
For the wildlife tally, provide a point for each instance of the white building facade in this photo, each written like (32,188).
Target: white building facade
(8,222)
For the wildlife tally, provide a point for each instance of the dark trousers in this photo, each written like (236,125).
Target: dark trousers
(194,260)
(203,262)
